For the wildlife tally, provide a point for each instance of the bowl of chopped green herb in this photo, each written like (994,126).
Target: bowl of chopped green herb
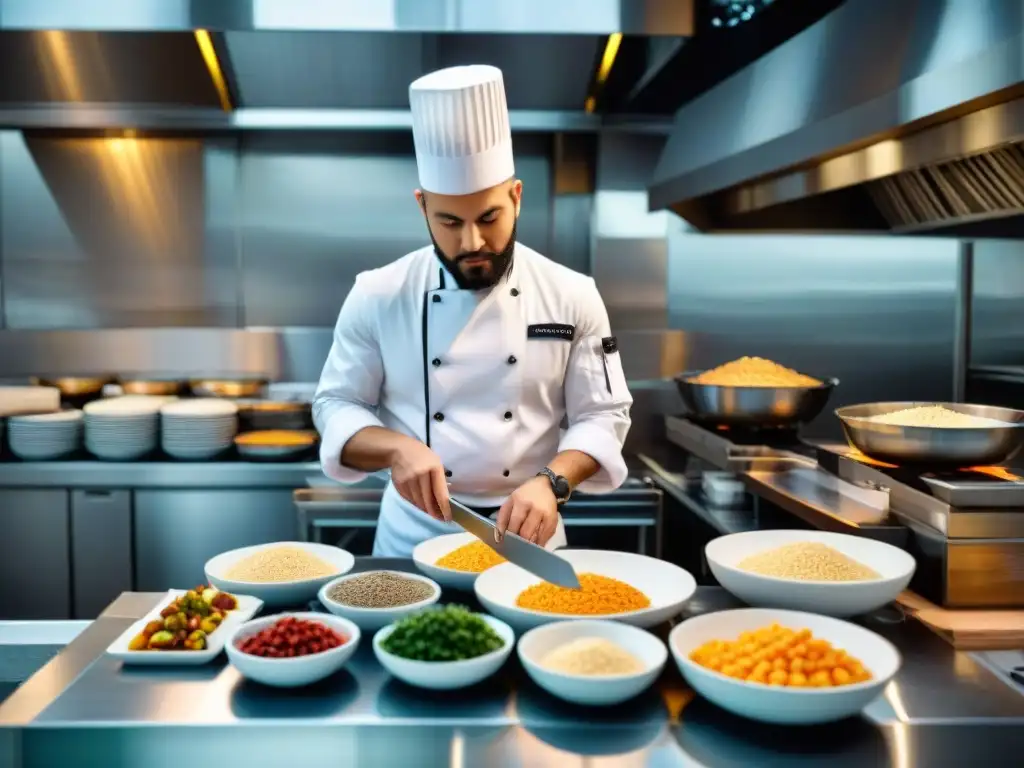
(444,648)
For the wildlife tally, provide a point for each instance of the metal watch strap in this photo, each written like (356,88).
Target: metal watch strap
(554,480)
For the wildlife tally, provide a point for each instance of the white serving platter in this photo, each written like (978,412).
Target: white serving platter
(247,608)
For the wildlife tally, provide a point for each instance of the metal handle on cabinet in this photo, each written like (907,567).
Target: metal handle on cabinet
(93,494)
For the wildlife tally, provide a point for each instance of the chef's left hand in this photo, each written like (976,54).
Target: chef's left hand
(531,511)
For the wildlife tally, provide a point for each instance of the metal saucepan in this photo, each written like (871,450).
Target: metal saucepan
(74,386)
(257,415)
(937,447)
(753,406)
(156,385)
(229,386)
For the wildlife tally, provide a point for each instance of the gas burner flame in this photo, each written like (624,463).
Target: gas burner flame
(1000,473)
(863,458)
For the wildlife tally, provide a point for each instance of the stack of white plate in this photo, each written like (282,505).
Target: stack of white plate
(199,428)
(47,436)
(123,428)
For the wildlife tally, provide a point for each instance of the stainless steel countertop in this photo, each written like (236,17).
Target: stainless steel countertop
(943,709)
(156,474)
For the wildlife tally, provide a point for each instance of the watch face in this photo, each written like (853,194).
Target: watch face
(561,486)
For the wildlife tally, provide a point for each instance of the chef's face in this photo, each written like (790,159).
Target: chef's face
(474,234)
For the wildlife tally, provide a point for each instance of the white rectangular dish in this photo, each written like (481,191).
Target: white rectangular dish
(247,608)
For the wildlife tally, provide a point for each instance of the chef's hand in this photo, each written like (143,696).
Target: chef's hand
(418,475)
(531,511)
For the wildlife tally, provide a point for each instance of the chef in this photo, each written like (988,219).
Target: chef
(456,366)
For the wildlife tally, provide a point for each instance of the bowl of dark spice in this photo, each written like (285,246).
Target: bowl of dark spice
(444,648)
(373,599)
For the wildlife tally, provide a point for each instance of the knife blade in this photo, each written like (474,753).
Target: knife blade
(528,556)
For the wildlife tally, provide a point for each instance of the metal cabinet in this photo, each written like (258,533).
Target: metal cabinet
(177,531)
(101,549)
(35,575)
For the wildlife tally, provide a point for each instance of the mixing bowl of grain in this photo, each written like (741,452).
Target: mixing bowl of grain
(594,663)
(937,435)
(828,573)
(282,574)
(752,391)
(374,599)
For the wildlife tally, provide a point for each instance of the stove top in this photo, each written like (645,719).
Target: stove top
(731,448)
(971,487)
(775,437)
(726,446)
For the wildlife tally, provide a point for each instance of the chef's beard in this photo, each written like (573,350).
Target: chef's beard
(476,278)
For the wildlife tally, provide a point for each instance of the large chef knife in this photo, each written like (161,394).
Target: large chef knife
(530,557)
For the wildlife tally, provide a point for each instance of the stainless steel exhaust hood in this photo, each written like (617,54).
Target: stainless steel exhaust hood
(884,116)
(301,63)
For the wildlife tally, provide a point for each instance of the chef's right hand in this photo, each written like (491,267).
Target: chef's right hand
(418,475)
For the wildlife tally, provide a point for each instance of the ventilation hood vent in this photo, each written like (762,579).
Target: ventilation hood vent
(921,132)
(970,192)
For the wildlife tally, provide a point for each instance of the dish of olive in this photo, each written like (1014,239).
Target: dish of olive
(185,627)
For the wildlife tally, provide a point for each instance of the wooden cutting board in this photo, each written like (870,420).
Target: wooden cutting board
(18,401)
(969,630)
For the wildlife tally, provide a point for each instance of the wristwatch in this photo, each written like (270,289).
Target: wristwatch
(559,485)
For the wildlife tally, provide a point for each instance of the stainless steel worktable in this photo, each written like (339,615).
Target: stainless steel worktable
(943,710)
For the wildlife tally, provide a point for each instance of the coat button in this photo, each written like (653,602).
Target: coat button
(436,299)
(438,416)
(508,415)
(511,359)
(514,291)
(435,362)
(447,473)
(505,473)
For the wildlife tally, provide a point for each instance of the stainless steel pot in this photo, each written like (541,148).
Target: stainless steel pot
(753,406)
(152,386)
(258,415)
(74,386)
(935,447)
(229,387)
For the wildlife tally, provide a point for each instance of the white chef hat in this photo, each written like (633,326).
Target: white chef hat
(461,130)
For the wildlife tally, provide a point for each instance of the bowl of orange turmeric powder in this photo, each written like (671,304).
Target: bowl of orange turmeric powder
(621,586)
(455,559)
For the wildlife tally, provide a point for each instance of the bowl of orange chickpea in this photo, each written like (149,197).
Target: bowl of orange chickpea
(785,667)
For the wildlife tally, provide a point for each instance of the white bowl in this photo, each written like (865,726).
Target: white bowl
(666,585)
(428,552)
(832,598)
(446,675)
(778,704)
(375,618)
(592,689)
(284,593)
(301,670)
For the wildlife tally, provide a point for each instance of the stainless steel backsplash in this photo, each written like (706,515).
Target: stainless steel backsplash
(233,255)
(998,316)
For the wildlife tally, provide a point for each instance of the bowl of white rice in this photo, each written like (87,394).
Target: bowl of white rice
(816,571)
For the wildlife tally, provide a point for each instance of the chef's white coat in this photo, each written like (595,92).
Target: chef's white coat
(456,369)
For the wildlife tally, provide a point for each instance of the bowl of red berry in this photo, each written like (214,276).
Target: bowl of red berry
(288,650)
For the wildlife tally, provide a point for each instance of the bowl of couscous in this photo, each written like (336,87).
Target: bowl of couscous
(829,573)
(752,391)
(282,574)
